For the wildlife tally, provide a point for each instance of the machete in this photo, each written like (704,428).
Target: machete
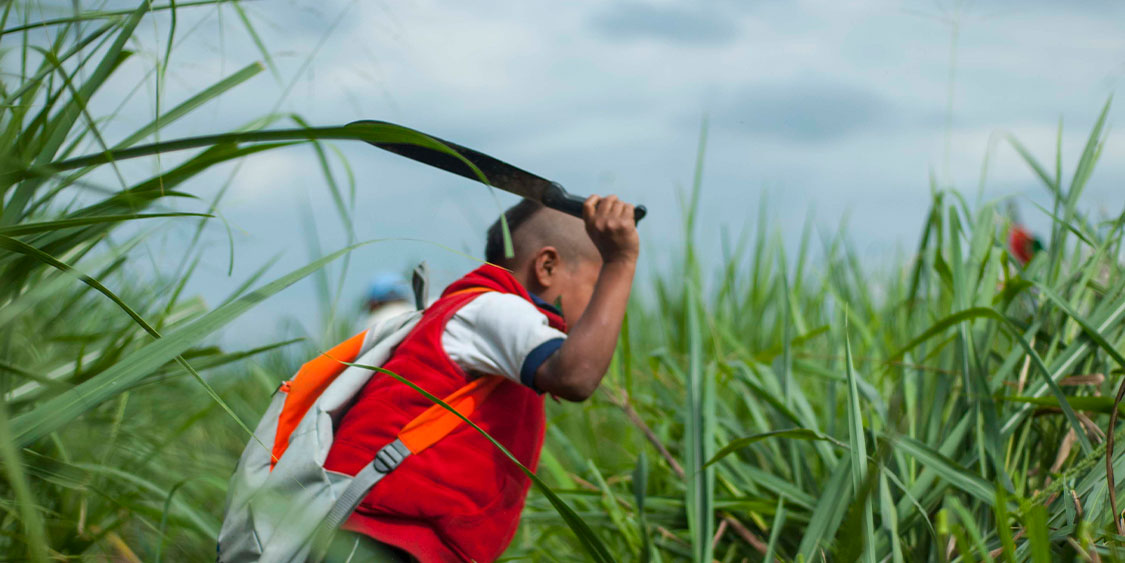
(500,174)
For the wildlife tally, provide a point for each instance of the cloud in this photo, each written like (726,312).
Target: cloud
(673,24)
(811,110)
(836,103)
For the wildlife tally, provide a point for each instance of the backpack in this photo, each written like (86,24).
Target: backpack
(282,504)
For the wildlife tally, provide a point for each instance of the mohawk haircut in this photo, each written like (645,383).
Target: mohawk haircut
(534,226)
(516,216)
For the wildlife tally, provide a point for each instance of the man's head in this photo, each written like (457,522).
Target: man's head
(553,258)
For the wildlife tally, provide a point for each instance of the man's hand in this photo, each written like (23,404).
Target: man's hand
(610,224)
(576,369)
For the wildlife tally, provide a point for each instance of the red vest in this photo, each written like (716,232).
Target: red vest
(461,498)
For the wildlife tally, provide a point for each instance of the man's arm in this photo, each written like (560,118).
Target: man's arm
(576,369)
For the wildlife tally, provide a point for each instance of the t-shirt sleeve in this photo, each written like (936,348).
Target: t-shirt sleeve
(501,334)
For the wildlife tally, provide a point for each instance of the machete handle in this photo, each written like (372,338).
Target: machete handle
(561,200)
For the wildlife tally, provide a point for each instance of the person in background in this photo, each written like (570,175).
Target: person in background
(387,296)
(1021,242)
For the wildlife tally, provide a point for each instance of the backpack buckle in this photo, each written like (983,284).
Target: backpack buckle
(390,456)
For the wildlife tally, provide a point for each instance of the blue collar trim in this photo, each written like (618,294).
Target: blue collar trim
(544,305)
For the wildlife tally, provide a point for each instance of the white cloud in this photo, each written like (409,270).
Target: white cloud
(580,92)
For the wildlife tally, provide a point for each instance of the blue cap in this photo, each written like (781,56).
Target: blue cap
(387,287)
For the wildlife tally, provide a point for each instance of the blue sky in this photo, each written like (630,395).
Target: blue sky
(834,108)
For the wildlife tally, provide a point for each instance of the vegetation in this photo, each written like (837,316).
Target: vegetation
(952,405)
(112,426)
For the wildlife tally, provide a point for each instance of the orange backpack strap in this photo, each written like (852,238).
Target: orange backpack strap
(424,431)
(316,375)
(437,422)
(470,290)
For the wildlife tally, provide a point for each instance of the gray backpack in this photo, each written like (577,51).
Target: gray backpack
(281,498)
(282,504)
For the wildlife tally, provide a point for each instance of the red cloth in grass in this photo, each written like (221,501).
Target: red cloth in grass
(1022,244)
(460,499)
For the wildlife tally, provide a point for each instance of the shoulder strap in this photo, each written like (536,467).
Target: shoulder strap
(424,431)
(468,290)
(315,376)
(437,421)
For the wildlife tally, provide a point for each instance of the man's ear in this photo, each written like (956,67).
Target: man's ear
(546,266)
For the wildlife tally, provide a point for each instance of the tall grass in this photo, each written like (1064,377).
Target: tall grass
(954,405)
(110,427)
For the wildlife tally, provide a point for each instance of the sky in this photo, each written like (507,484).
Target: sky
(829,110)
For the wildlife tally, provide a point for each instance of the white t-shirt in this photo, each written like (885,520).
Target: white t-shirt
(501,334)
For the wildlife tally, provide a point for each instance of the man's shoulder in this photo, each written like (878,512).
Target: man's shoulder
(499,333)
(499,305)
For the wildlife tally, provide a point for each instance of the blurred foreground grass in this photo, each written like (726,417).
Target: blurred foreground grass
(954,405)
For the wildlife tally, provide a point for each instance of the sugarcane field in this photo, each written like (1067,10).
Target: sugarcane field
(641,281)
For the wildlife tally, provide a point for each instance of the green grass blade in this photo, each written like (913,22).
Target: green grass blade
(28,508)
(1000,509)
(191,104)
(370,132)
(1013,330)
(94,15)
(788,433)
(614,510)
(1085,167)
(698,436)
(253,33)
(1090,330)
(888,513)
(947,469)
(1038,534)
(775,529)
(111,59)
(44,226)
(34,82)
(20,247)
(1100,405)
(1031,161)
(828,513)
(857,445)
(53,414)
(640,490)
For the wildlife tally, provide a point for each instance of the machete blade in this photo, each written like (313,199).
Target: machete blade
(500,174)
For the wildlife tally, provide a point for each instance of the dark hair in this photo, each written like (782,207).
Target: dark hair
(516,215)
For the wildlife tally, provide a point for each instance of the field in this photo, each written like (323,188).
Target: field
(952,404)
